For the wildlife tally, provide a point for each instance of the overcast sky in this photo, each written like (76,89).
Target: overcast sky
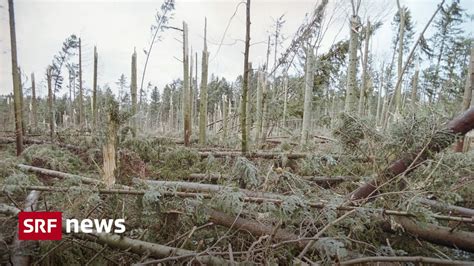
(116,27)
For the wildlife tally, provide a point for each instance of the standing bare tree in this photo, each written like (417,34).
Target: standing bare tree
(94,90)
(243,110)
(363,87)
(16,81)
(352,68)
(203,92)
(133,91)
(34,108)
(49,75)
(401,33)
(81,96)
(308,95)
(186,87)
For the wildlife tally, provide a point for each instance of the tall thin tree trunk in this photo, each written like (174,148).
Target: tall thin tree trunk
(226,108)
(94,90)
(351,87)
(16,81)
(203,92)
(285,97)
(191,97)
(243,110)
(34,108)
(50,104)
(398,89)
(259,111)
(81,96)
(414,89)
(22,102)
(308,96)
(249,102)
(133,91)
(186,87)
(363,87)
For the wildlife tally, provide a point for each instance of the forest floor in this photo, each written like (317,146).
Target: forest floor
(281,204)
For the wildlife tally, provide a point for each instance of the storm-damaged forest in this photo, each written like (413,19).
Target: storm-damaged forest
(320,150)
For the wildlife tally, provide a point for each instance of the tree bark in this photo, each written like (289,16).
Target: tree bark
(243,107)
(16,81)
(457,127)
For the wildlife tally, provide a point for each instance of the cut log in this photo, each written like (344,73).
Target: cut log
(457,127)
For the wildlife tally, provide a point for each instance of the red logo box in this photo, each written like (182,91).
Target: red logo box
(40,226)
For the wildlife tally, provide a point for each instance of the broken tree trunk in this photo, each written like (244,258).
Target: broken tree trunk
(110,148)
(23,250)
(457,127)
(245,85)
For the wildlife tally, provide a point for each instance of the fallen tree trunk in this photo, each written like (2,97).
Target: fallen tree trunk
(39,142)
(253,227)
(147,248)
(209,188)
(23,249)
(61,175)
(258,200)
(414,260)
(457,127)
(438,234)
(124,243)
(447,207)
(264,155)
(325,181)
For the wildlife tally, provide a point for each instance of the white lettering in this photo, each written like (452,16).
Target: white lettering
(26,224)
